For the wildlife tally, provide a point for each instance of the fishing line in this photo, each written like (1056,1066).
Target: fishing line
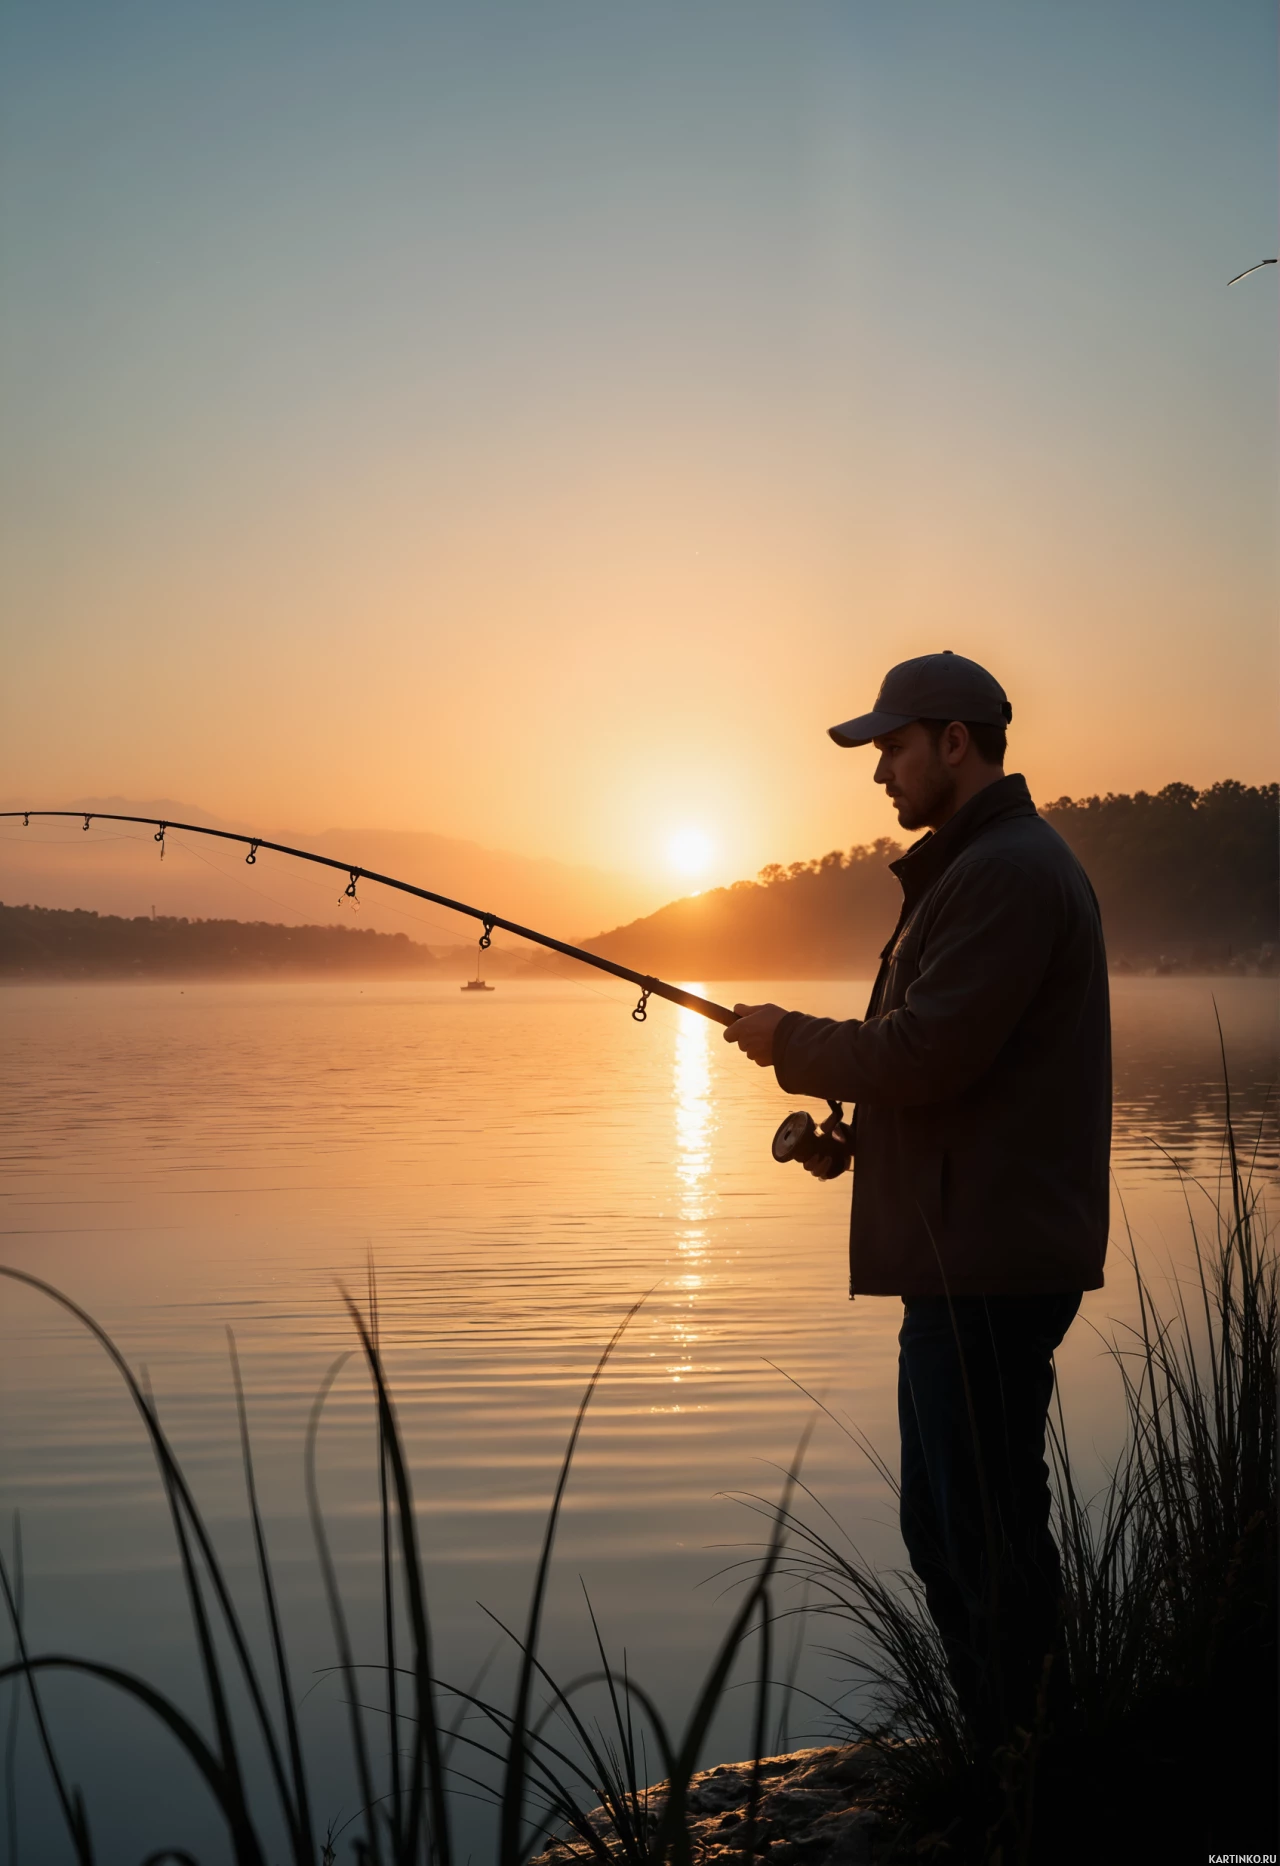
(251,887)
(533,958)
(255,887)
(649,987)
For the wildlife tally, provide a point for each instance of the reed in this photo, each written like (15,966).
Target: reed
(546,1765)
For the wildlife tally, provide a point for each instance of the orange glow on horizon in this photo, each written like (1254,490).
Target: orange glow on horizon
(549,474)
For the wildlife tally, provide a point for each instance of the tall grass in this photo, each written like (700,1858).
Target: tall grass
(1169,1609)
(544,1763)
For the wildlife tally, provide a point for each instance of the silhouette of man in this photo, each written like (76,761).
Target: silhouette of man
(980,1143)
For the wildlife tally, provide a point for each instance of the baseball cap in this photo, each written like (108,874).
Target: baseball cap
(933,686)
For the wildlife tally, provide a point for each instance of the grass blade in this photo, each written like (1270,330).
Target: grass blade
(427,1757)
(510,1839)
(68,1800)
(186,1516)
(300,1809)
(337,1614)
(220,1780)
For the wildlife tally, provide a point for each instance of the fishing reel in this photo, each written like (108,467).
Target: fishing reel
(799,1137)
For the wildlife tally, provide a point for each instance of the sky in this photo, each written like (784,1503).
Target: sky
(536,422)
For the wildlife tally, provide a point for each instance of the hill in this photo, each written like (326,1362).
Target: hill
(1186,879)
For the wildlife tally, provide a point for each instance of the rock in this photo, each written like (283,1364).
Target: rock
(812,1809)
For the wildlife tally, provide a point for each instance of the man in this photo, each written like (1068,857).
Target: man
(981,1078)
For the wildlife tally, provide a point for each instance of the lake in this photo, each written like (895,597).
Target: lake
(518,1168)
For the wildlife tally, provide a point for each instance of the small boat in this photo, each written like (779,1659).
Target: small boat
(476,983)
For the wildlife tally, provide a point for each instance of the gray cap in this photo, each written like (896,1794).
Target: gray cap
(933,686)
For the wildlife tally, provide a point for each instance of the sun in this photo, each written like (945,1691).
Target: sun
(689,851)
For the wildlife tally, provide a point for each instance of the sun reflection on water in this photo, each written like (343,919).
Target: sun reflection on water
(694,1124)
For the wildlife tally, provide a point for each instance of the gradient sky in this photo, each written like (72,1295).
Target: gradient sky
(536,422)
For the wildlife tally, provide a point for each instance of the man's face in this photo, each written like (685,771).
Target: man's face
(920,782)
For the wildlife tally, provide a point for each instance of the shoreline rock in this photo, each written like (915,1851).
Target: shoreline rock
(813,1807)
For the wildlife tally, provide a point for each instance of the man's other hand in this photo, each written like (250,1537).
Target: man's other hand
(753,1032)
(824,1168)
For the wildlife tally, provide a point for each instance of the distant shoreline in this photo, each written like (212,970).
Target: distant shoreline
(53,945)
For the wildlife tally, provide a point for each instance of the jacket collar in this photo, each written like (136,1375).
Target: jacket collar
(925,861)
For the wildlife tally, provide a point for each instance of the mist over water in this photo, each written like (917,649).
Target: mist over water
(518,1168)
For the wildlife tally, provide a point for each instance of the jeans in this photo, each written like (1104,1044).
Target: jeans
(975,1375)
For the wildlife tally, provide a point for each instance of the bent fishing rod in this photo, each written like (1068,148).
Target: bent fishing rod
(649,987)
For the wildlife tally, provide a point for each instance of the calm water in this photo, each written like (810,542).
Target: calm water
(519,1169)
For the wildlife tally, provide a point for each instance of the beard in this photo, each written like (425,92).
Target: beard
(931,799)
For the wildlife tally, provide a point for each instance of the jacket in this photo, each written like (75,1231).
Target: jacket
(981,1073)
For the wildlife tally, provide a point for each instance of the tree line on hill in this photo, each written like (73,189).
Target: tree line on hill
(43,942)
(1186,879)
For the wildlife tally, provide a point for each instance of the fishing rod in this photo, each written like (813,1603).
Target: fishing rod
(649,987)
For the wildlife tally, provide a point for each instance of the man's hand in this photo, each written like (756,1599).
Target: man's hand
(824,1168)
(753,1032)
